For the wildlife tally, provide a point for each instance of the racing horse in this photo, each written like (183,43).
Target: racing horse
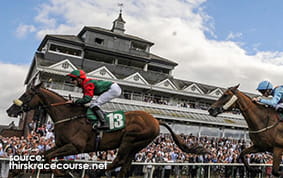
(265,131)
(74,134)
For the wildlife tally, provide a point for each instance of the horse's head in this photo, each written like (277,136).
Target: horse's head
(28,101)
(225,103)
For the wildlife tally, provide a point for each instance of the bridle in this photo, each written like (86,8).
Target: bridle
(25,107)
(229,103)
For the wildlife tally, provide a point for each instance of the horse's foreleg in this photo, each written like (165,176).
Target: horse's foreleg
(126,166)
(120,158)
(248,150)
(277,153)
(126,153)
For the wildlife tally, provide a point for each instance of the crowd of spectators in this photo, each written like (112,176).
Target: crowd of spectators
(192,105)
(179,104)
(161,150)
(223,150)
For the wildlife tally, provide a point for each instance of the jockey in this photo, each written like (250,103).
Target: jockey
(266,89)
(105,90)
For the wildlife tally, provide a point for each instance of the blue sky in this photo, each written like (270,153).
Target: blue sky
(215,42)
(15,49)
(259,23)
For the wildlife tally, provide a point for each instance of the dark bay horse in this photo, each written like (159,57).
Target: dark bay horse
(265,130)
(73,134)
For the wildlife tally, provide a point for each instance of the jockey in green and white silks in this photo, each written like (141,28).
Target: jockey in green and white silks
(266,89)
(105,90)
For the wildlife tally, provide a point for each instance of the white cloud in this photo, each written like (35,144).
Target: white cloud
(23,30)
(178,30)
(233,36)
(275,58)
(11,87)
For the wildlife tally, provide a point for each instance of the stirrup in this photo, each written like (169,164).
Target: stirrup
(94,126)
(103,126)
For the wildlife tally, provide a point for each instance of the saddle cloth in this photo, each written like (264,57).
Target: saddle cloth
(116,119)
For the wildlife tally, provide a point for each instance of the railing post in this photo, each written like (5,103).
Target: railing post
(83,173)
(38,173)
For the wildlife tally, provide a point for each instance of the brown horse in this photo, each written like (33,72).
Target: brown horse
(73,134)
(265,130)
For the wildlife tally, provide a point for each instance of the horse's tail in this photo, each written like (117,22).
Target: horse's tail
(182,145)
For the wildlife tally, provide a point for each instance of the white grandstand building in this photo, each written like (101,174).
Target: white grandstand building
(146,79)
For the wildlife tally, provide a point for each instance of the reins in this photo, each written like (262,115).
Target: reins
(54,104)
(69,119)
(58,104)
(264,129)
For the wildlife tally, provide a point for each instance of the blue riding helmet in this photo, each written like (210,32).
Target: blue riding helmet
(264,85)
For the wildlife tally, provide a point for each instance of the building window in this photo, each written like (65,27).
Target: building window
(99,41)
(65,50)
(158,69)
(127,94)
(138,46)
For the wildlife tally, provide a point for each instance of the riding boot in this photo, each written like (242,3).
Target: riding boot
(101,116)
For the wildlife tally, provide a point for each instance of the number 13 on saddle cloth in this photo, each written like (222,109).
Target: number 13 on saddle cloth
(115,119)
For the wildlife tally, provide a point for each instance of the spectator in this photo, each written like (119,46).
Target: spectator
(5,164)
(149,169)
(168,159)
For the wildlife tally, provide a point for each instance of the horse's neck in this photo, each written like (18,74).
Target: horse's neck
(51,98)
(255,117)
(59,112)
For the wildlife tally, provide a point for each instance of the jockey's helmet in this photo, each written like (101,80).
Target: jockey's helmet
(78,74)
(264,85)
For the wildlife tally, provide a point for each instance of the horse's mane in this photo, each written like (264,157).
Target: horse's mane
(261,106)
(76,109)
(55,93)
